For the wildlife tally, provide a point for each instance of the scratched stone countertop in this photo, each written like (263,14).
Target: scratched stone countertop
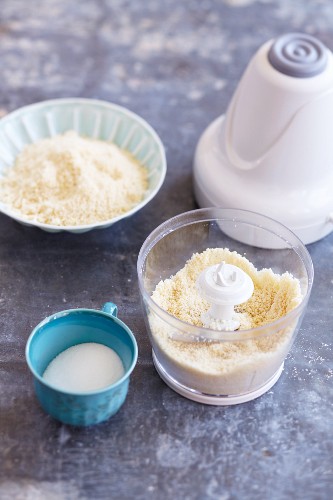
(177,65)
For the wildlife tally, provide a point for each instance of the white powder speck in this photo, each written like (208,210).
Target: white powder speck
(219,84)
(195,95)
(239,3)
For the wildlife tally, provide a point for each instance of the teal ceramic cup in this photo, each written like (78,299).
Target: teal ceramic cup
(66,329)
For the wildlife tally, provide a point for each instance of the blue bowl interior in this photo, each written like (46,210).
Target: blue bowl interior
(67,329)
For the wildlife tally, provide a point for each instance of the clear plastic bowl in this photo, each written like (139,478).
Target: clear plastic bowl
(267,244)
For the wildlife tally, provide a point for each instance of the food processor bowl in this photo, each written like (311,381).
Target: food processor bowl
(260,352)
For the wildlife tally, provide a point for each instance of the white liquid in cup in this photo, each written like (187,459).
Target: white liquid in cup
(84,368)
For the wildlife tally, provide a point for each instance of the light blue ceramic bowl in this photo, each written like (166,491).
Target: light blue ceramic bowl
(66,329)
(90,118)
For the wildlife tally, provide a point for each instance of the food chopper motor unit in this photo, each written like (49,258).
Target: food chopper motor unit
(272,152)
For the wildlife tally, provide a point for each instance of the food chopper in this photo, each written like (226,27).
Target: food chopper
(239,378)
(272,152)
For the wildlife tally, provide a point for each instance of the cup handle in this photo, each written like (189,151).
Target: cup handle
(110,308)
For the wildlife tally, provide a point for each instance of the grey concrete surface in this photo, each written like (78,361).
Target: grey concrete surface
(177,65)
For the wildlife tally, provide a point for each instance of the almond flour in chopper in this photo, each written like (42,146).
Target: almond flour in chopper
(225,367)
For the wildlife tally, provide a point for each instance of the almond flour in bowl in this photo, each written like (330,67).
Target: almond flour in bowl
(103,122)
(222,367)
(69,180)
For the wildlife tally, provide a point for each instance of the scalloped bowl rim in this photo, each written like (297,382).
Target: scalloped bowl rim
(100,224)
